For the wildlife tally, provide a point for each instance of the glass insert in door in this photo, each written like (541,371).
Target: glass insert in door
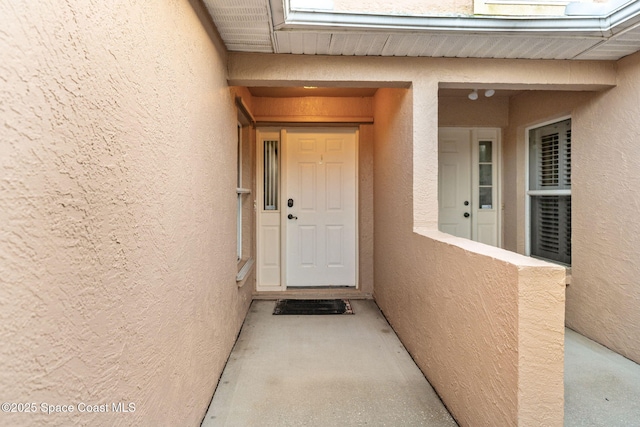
(485,170)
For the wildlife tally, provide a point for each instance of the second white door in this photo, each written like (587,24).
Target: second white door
(468,183)
(320,207)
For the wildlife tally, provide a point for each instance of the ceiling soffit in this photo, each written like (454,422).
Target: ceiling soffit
(270,26)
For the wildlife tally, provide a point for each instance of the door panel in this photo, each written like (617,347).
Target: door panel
(307,245)
(334,187)
(321,235)
(335,239)
(307,177)
(454,163)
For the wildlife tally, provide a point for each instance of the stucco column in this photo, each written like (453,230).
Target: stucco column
(425,153)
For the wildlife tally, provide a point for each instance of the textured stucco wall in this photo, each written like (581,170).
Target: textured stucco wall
(319,108)
(313,106)
(366,212)
(484,325)
(117,205)
(603,300)
(483,112)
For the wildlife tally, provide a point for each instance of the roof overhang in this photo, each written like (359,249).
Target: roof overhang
(283,29)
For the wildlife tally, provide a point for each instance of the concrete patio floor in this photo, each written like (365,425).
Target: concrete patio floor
(335,370)
(601,388)
(352,370)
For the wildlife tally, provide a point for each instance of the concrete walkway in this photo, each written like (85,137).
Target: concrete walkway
(601,388)
(353,371)
(348,370)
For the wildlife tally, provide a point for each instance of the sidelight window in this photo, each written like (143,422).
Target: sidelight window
(270,183)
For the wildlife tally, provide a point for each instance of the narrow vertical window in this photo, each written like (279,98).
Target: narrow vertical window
(485,170)
(550,191)
(270,175)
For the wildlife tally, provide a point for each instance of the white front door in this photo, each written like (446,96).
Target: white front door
(319,207)
(468,183)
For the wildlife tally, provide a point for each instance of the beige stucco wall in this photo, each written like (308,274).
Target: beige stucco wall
(484,324)
(295,109)
(313,107)
(117,205)
(603,300)
(483,112)
(365,210)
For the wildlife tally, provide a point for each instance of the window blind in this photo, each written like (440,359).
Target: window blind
(551,228)
(550,191)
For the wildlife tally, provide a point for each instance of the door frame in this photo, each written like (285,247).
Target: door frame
(477,134)
(265,275)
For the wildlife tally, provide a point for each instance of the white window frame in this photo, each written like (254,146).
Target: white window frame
(529,193)
(241,194)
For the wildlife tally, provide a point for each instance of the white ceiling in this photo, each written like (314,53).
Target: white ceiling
(270,26)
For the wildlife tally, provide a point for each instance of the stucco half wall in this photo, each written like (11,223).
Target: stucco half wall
(485,325)
(117,211)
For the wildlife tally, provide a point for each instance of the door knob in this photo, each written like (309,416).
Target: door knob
(467,214)
(291,216)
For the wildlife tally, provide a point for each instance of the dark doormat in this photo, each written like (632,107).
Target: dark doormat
(313,306)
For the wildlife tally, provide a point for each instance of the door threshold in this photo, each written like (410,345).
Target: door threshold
(314,292)
(292,288)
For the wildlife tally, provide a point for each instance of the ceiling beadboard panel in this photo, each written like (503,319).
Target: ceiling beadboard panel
(430,45)
(616,47)
(244,25)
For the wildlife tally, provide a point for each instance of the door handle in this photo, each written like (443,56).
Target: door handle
(291,216)
(467,214)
